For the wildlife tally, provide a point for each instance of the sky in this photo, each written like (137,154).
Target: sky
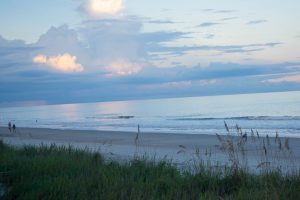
(73,51)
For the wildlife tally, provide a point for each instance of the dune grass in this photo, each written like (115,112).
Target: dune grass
(65,173)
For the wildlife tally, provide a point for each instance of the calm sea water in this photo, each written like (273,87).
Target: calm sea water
(265,112)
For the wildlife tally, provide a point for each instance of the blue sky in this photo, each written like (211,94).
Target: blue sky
(68,51)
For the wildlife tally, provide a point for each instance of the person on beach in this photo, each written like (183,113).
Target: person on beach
(245,137)
(9,126)
(14,128)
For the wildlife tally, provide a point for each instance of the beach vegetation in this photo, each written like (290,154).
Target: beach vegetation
(60,172)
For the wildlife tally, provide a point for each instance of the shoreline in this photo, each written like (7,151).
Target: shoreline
(167,132)
(123,146)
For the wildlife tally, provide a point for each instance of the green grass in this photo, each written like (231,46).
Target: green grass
(65,173)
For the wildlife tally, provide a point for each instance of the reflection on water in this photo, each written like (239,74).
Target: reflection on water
(112,107)
(69,111)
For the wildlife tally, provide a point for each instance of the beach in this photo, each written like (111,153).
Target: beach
(177,148)
(113,143)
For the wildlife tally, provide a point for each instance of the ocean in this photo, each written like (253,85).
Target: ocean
(267,113)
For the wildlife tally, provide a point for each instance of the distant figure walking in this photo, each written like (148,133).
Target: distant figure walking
(9,126)
(245,137)
(136,140)
(14,128)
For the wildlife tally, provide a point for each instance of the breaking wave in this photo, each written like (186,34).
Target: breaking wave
(240,118)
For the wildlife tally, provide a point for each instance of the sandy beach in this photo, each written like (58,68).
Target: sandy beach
(179,148)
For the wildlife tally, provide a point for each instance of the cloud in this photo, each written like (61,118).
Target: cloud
(246,48)
(217,11)
(160,22)
(167,85)
(58,40)
(65,63)
(208,82)
(121,67)
(297,67)
(207,10)
(103,42)
(101,8)
(215,71)
(40,59)
(256,22)
(23,103)
(228,18)
(97,44)
(117,54)
(292,78)
(209,36)
(15,48)
(224,11)
(178,88)
(207,24)
(128,74)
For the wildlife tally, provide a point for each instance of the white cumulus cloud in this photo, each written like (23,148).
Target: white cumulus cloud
(121,67)
(40,59)
(100,8)
(65,62)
